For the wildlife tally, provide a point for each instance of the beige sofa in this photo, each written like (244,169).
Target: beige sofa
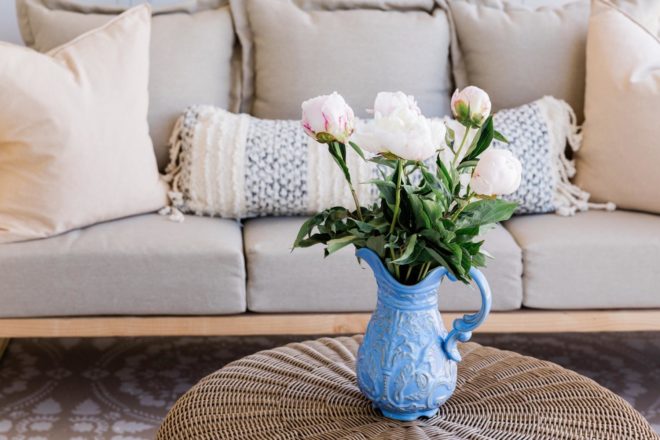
(146,275)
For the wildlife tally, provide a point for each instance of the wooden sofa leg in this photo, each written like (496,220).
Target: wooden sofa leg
(3,346)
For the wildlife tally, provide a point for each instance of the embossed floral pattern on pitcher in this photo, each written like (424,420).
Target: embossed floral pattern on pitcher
(408,361)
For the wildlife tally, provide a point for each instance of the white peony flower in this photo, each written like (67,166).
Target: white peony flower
(400,129)
(498,172)
(328,118)
(470,104)
(389,103)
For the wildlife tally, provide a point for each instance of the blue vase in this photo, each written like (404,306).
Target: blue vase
(406,364)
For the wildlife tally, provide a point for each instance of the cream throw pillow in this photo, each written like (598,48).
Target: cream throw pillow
(74,140)
(192,56)
(621,148)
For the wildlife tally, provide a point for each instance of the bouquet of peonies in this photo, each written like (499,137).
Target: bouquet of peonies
(438,187)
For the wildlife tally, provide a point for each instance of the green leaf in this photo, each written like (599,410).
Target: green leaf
(446,175)
(479,260)
(384,162)
(362,226)
(357,149)
(387,190)
(483,141)
(485,212)
(437,257)
(337,243)
(410,248)
(338,153)
(467,164)
(377,244)
(450,136)
(500,137)
(307,227)
(422,219)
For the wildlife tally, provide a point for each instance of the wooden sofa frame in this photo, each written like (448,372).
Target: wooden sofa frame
(520,321)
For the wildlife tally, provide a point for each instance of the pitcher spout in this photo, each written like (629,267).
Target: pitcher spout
(432,279)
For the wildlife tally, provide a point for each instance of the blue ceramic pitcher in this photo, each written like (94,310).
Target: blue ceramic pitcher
(406,364)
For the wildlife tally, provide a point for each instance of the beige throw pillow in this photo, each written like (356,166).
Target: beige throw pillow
(74,138)
(192,56)
(297,49)
(521,50)
(621,147)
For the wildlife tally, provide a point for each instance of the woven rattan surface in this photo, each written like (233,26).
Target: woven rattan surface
(308,391)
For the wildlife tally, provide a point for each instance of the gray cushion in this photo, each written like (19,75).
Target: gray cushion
(303,281)
(297,49)
(593,260)
(144,265)
(521,50)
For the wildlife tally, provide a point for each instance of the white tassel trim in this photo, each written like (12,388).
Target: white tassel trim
(569,198)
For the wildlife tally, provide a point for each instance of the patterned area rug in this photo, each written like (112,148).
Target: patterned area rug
(120,389)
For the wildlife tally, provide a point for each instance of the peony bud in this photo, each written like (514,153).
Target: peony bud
(498,172)
(470,105)
(328,118)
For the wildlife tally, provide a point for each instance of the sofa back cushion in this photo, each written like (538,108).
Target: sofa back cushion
(192,48)
(74,139)
(519,51)
(621,147)
(294,50)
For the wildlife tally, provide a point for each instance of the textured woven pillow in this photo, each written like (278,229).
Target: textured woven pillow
(240,166)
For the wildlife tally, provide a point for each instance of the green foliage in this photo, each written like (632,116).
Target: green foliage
(418,224)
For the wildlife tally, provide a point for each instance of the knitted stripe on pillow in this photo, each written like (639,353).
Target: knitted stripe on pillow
(238,166)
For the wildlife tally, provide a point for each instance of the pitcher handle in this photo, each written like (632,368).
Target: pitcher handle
(463,327)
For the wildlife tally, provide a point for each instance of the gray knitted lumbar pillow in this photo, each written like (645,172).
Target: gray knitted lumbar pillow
(237,166)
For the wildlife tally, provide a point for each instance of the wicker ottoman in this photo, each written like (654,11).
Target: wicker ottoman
(308,391)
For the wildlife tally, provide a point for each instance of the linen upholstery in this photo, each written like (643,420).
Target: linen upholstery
(295,50)
(595,259)
(192,54)
(145,265)
(519,51)
(75,147)
(303,281)
(621,147)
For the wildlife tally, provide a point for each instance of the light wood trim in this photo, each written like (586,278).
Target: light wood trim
(521,321)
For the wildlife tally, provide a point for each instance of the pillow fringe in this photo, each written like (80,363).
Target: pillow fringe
(173,174)
(568,198)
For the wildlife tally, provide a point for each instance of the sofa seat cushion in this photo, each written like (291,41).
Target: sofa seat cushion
(303,281)
(593,260)
(144,265)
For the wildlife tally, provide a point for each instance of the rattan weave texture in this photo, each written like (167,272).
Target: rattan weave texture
(308,391)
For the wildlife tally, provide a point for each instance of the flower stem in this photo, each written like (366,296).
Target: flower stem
(460,148)
(424,270)
(357,201)
(397,201)
(336,150)
(395,216)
